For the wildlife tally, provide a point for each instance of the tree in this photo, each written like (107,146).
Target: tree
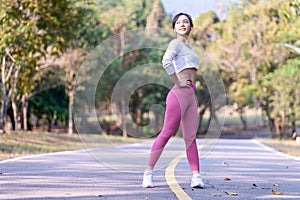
(99,26)
(246,49)
(203,35)
(285,101)
(124,16)
(203,28)
(65,69)
(30,30)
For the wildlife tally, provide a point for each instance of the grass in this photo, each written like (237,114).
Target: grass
(287,146)
(19,144)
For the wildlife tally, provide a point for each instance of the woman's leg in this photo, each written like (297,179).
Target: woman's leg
(171,124)
(189,129)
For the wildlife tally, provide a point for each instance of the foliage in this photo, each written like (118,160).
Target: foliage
(51,104)
(203,24)
(42,44)
(284,83)
(30,31)
(247,48)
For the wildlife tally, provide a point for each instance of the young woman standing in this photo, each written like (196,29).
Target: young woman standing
(181,63)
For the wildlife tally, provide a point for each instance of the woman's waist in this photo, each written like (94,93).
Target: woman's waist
(187,75)
(188,89)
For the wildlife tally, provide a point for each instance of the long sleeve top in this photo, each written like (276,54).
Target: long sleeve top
(178,57)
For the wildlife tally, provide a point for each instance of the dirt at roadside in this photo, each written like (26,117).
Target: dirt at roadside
(253,131)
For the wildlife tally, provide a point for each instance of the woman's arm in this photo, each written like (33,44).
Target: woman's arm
(169,56)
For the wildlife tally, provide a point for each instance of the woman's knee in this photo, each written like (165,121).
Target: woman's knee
(189,139)
(165,135)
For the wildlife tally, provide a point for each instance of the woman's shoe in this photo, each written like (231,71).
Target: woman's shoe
(197,181)
(148,179)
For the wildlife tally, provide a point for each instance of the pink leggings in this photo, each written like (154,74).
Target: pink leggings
(181,107)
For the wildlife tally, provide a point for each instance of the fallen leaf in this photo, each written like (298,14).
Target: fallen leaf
(214,195)
(227,179)
(276,192)
(266,188)
(225,163)
(276,184)
(231,193)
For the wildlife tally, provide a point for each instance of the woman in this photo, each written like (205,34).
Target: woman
(181,63)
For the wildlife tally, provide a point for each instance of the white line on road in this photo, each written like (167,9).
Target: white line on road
(39,155)
(275,151)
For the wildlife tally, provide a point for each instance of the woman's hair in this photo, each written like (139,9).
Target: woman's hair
(175,18)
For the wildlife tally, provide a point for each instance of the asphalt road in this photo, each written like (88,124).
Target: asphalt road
(241,168)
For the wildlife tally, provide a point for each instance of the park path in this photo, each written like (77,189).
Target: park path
(245,169)
(254,171)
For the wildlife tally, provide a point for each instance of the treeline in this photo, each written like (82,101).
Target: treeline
(257,50)
(43,44)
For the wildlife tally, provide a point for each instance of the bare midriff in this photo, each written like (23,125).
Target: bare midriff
(187,74)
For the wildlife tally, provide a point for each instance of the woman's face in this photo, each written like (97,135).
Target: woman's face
(182,25)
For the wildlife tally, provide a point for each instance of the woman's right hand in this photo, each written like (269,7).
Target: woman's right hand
(181,81)
(185,83)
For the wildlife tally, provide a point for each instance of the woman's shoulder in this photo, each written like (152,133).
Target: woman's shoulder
(175,41)
(174,44)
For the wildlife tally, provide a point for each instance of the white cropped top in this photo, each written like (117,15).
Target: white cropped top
(178,57)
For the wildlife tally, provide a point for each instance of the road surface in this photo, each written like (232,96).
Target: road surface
(235,168)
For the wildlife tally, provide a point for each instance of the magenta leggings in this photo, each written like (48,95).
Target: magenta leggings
(181,107)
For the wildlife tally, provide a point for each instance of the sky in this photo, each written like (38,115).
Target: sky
(193,7)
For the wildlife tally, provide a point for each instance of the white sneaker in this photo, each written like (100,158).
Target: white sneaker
(148,179)
(197,181)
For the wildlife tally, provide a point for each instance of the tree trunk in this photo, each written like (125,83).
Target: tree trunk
(4,99)
(123,110)
(3,109)
(70,118)
(284,125)
(256,121)
(139,116)
(158,125)
(265,107)
(25,112)
(123,113)
(278,125)
(15,114)
(294,130)
(201,114)
(13,98)
(6,75)
(208,122)
(242,118)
